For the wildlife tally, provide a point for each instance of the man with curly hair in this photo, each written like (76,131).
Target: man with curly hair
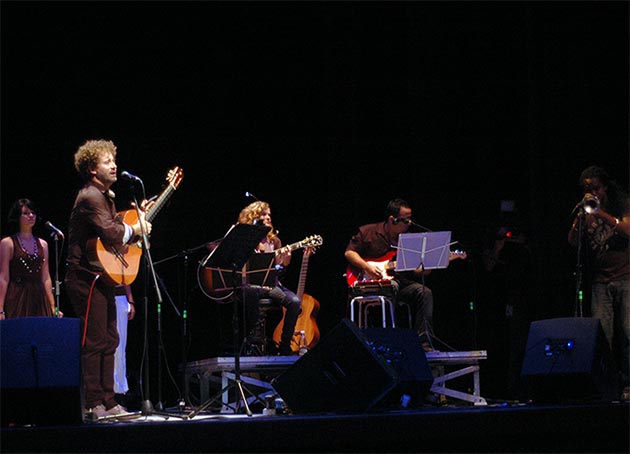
(93,299)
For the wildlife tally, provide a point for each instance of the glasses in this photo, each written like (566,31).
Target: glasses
(29,214)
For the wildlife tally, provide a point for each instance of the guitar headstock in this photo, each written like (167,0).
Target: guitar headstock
(175,176)
(312,242)
(457,254)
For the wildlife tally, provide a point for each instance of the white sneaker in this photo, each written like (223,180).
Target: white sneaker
(120,413)
(92,414)
(118,410)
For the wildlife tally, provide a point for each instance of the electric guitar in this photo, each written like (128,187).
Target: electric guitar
(386,265)
(306,332)
(120,264)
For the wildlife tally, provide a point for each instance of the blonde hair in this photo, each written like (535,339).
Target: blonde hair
(252,212)
(87,156)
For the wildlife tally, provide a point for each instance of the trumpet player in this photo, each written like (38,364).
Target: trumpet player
(603,218)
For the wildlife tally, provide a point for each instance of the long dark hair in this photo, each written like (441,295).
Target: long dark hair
(13,218)
(617,196)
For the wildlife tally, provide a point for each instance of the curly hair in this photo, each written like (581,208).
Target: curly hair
(617,196)
(252,212)
(87,156)
(13,218)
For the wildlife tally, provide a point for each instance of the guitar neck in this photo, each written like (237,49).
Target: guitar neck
(302,280)
(159,203)
(291,247)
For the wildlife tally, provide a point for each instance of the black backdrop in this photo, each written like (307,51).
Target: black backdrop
(326,110)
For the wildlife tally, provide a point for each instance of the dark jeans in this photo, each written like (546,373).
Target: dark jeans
(610,303)
(279,295)
(420,297)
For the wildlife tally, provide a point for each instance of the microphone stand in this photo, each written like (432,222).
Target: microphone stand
(147,406)
(415,224)
(579,294)
(57,282)
(183,315)
(233,251)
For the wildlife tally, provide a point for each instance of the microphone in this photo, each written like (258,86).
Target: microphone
(576,209)
(249,194)
(411,222)
(54,229)
(415,224)
(129,176)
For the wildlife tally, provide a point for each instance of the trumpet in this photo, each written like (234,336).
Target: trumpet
(590,203)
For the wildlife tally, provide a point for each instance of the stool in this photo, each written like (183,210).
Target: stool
(367,301)
(408,308)
(265,305)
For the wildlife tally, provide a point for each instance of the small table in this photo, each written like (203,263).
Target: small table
(439,361)
(223,368)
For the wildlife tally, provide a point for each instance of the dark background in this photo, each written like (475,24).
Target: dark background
(327,110)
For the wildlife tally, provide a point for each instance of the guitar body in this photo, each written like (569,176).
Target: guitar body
(121,264)
(354,275)
(306,331)
(216,283)
(306,322)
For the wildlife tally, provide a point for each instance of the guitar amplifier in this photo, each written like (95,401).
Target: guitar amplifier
(372,287)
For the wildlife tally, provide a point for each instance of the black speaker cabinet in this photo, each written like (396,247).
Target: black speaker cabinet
(40,371)
(351,370)
(568,359)
(402,349)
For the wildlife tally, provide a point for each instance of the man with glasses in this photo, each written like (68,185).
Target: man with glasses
(372,248)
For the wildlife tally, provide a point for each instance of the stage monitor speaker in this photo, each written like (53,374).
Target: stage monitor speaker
(40,371)
(342,373)
(402,349)
(354,370)
(568,359)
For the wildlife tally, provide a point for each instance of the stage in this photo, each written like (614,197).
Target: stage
(503,427)
(453,418)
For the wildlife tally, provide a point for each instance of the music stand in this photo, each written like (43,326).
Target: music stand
(424,251)
(233,251)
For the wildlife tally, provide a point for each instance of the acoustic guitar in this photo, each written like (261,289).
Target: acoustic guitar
(120,264)
(217,283)
(306,333)
(386,265)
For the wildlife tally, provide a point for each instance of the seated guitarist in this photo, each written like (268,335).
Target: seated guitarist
(373,244)
(259,212)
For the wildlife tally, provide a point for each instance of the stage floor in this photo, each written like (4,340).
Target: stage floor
(595,427)
(453,421)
